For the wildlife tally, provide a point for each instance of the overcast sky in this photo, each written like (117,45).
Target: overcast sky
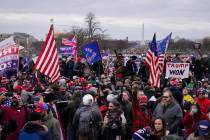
(121,18)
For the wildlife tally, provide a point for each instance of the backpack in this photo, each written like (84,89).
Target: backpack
(85,122)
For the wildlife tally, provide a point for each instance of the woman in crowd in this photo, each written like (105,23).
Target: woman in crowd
(158,129)
(192,118)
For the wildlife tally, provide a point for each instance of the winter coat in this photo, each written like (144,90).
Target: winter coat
(172,115)
(114,125)
(204,104)
(70,66)
(68,115)
(87,121)
(33,131)
(191,122)
(131,68)
(18,116)
(141,118)
(53,126)
(127,109)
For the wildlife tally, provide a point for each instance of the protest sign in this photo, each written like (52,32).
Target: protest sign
(9,57)
(66,51)
(177,70)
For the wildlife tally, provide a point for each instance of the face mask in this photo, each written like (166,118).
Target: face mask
(195,110)
(209,115)
(14,103)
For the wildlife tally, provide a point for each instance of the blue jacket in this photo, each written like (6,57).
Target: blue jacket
(33,131)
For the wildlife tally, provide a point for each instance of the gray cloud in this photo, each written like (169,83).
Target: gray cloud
(121,18)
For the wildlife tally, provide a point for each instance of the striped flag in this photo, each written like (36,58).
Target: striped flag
(68,42)
(155,59)
(71,42)
(48,62)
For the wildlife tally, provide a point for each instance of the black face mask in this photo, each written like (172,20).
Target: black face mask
(14,103)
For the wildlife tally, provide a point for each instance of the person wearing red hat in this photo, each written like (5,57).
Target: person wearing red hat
(201,99)
(142,116)
(47,119)
(18,89)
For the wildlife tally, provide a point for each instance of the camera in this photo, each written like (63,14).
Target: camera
(114,120)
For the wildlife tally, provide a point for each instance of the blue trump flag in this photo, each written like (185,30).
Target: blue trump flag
(91,52)
(162,45)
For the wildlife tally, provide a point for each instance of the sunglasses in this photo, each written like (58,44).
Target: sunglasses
(165,96)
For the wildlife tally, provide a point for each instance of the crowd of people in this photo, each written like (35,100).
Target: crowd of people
(89,103)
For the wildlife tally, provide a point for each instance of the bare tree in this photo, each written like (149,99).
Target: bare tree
(92,24)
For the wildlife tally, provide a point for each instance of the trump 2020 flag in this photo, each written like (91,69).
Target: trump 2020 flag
(91,52)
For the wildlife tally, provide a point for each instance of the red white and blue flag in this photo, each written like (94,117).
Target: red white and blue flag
(155,59)
(70,42)
(48,62)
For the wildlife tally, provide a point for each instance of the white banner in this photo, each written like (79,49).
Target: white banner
(9,56)
(177,70)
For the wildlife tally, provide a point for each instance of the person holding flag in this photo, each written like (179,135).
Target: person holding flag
(155,59)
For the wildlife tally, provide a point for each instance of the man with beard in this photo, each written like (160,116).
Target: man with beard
(170,110)
(14,113)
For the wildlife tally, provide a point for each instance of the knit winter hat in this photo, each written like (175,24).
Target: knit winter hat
(41,107)
(143,100)
(3,90)
(203,128)
(110,97)
(141,134)
(87,99)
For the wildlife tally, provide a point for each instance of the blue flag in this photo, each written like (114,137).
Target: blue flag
(91,52)
(26,64)
(153,45)
(163,44)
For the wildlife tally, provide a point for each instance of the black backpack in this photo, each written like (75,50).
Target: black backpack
(86,122)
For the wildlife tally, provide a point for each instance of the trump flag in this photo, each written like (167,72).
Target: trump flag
(91,52)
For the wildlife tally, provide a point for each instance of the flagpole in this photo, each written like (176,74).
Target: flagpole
(52,23)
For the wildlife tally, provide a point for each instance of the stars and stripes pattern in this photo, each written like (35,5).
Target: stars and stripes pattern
(7,102)
(155,59)
(48,62)
(73,43)
(68,42)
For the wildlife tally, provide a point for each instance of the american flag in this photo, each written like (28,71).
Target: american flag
(7,102)
(155,59)
(48,62)
(68,42)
